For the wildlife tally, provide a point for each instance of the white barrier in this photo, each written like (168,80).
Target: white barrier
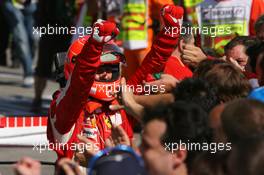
(23,130)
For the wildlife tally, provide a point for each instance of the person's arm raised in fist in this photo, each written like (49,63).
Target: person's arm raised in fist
(172,15)
(104,31)
(65,110)
(163,45)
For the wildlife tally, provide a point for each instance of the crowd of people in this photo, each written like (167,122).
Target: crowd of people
(195,101)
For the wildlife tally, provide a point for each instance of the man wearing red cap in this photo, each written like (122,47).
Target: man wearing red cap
(91,69)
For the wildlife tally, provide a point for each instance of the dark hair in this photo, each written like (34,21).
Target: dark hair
(246,41)
(243,118)
(206,65)
(211,52)
(229,81)
(186,122)
(247,157)
(259,23)
(253,52)
(261,64)
(210,164)
(262,61)
(197,91)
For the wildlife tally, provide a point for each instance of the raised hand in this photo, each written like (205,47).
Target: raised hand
(128,102)
(166,83)
(172,15)
(192,55)
(27,166)
(86,150)
(104,31)
(118,137)
(68,167)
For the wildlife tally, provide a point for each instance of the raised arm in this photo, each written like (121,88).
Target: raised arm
(163,45)
(66,109)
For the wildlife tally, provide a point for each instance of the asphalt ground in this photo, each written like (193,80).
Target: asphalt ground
(16,99)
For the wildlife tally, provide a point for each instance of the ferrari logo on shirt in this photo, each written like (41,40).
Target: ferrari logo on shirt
(107,122)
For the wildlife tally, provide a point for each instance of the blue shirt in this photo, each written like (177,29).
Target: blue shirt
(257,94)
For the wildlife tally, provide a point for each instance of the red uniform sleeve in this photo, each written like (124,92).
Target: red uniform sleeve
(257,10)
(155,60)
(71,100)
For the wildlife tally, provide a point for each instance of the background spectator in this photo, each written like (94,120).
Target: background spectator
(259,27)
(180,122)
(15,21)
(57,13)
(243,118)
(247,157)
(230,83)
(4,33)
(221,28)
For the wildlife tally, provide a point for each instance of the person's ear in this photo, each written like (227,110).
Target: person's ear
(181,45)
(179,157)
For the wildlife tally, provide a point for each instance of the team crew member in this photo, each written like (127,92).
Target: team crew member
(138,30)
(222,20)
